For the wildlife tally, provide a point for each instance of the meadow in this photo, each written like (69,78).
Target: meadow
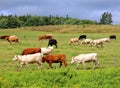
(107,76)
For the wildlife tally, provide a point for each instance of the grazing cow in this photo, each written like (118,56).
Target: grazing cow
(52,42)
(12,38)
(112,37)
(47,36)
(73,40)
(98,42)
(82,37)
(4,36)
(31,58)
(46,50)
(87,41)
(31,51)
(105,40)
(82,58)
(58,58)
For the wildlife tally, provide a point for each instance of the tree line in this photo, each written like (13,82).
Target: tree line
(14,21)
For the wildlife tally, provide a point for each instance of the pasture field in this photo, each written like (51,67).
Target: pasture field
(107,76)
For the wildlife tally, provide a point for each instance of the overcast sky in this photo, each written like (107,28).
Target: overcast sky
(82,9)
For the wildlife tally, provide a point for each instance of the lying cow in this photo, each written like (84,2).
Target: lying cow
(58,58)
(31,58)
(82,58)
(4,36)
(47,36)
(12,38)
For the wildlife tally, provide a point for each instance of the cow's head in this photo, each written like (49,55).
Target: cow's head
(72,60)
(15,58)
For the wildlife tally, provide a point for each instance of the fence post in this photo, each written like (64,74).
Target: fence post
(115,63)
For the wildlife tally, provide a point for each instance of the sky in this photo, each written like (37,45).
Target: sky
(81,9)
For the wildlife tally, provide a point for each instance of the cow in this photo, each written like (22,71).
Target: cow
(82,37)
(31,58)
(82,58)
(57,58)
(97,42)
(46,50)
(73,40)
(47,36)
(12,38)
(112,37)
(87,41)
(105,40)
(4,36)
(52,42)
(31,51)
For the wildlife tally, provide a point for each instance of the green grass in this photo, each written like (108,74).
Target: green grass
(107,76)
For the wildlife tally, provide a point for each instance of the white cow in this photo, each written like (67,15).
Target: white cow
(73,40)
(98,42)
(30,58)
(46,50)
(105,40)
(82,58)
(87,41)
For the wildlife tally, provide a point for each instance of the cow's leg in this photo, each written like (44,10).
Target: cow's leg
(50,64)
(39,65)
(65,64)
(60,64)
(84,64)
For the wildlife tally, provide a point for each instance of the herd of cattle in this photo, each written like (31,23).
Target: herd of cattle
(44,54)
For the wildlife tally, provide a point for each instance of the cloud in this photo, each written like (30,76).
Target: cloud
(82,9)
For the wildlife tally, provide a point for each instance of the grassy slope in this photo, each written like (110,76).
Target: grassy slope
(29,38)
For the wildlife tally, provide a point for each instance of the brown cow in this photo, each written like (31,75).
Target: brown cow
(58,58)
(31,51)
(4,36)
(12,38)
(47,36)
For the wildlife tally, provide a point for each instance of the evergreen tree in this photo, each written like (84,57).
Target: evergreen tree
(106,18)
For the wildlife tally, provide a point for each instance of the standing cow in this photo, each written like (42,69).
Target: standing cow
(52,42)
(112,37)
(31,58)
(57,58)
(82,37)
(82,58)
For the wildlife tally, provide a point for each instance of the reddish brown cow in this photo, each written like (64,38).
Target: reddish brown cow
(4,36)
(12,38)
(58,58)
(48,36)
(31,51)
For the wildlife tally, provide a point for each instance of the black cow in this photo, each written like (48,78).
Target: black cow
(112,36)
(52,42)
(82,37)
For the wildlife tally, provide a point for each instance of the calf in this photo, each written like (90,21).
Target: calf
(52,42)
(31,58)
(82,58)
(58,58)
